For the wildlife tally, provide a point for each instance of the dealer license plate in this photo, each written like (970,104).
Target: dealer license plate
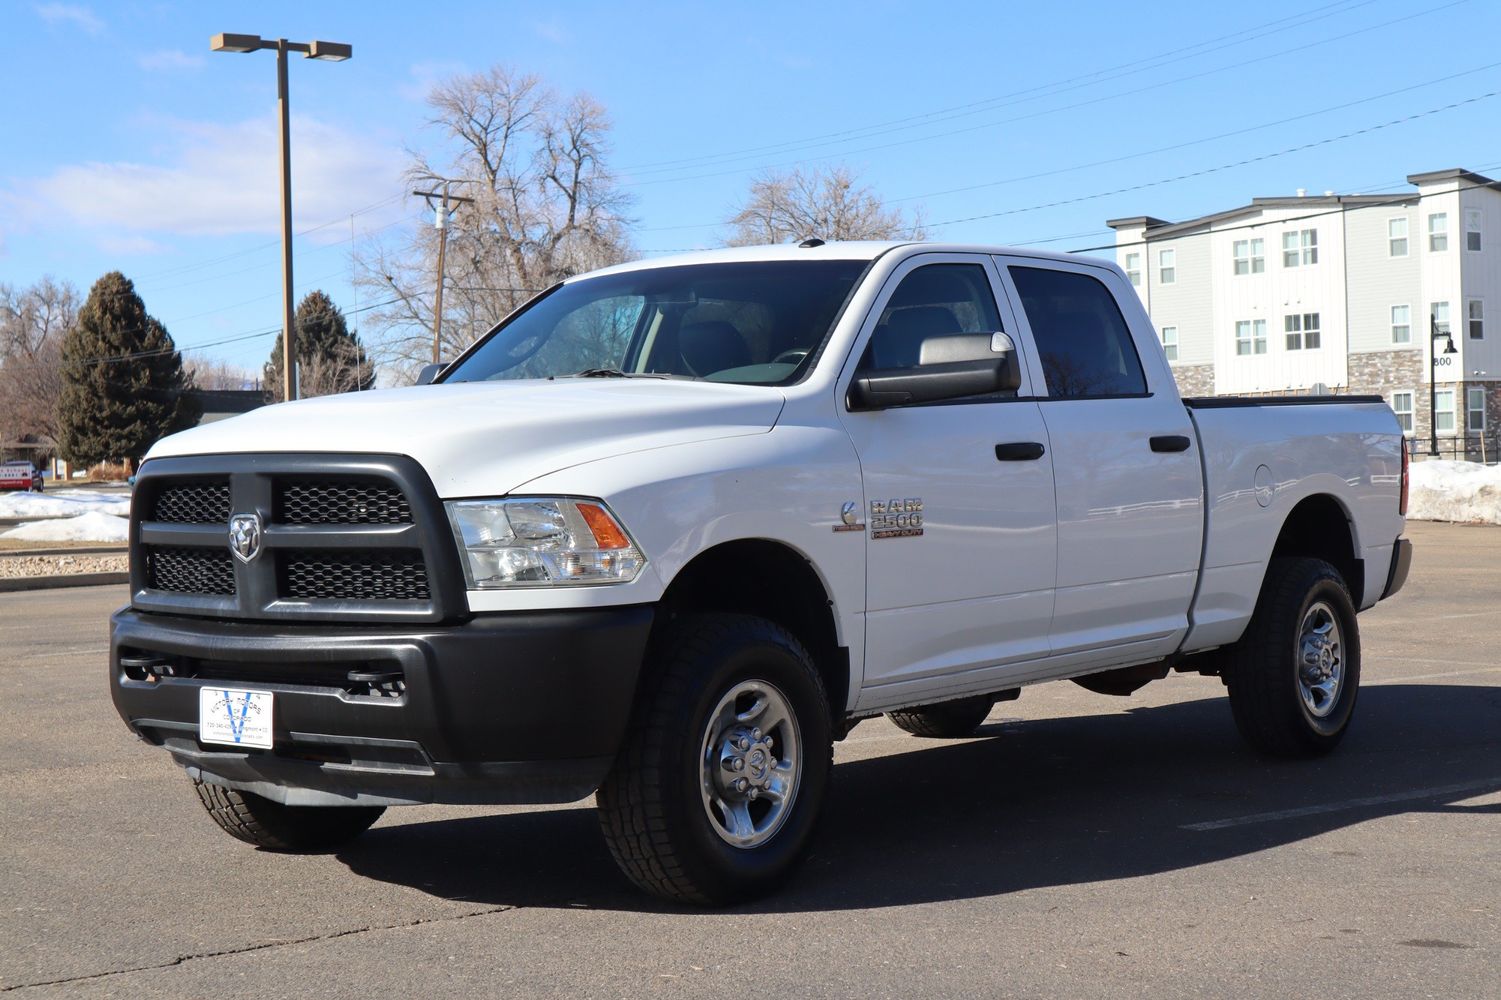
(238,718)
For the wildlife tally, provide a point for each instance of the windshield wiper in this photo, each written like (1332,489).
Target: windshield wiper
(600,373)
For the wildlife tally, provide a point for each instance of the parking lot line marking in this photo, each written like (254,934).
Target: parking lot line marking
(1434,677)
(1486,784)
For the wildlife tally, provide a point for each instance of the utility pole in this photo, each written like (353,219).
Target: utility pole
(443,205)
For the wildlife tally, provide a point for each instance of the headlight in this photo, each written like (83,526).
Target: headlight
(542,542)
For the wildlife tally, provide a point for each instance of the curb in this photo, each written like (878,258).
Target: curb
(87,550)
(57,582)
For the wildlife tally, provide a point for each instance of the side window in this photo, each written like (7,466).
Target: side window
(932,303)
(1081,336)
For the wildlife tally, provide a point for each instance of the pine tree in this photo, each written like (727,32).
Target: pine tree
(330,359)
(123,381)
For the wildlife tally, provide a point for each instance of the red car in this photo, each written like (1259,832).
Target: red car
(20,476)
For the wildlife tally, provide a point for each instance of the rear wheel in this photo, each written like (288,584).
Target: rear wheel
(946,720)
(1295,674)
(258,820)
(714,795)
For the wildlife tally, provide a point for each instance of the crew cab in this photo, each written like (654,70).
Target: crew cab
(20,475)
(672,528)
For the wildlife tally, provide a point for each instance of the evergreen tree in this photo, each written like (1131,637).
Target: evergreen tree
(330,359)
(123,381)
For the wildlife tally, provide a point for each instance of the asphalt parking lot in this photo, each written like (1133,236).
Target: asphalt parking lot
(1083,846)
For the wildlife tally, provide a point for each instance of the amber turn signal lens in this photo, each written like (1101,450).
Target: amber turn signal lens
(607,533)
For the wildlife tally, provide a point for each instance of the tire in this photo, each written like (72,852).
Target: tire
(1283,706)
(258,820)
(668,808)
(949,720)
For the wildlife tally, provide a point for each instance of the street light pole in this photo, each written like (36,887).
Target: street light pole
(329,52)
(1433,334)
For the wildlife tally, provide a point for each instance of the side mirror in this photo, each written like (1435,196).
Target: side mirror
(950,367)
(430,372)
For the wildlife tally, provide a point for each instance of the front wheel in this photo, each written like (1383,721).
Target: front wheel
(1294,676)
(258,820)
(714,795)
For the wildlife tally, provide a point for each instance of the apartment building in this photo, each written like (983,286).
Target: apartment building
(1341,293)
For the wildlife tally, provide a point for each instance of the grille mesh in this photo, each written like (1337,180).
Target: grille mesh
(194,503)
(350,501)
(191,571)
(367,576)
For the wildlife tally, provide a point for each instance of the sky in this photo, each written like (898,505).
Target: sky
(128,145)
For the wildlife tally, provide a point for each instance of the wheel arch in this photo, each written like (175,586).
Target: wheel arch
(771,580)
(1321,526)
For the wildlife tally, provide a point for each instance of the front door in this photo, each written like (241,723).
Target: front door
(959,505)
(1130,513)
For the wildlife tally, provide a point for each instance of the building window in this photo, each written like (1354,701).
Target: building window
(1167,266)
(1396,237)
(1402,407)
(1438,232)
(1170,342)
(1133,268)
(1475,408)
(1401,324)
(1250,336)
(1443,410)
(1473,220)
(1475,314)
(1440,317)
(1300,247)
(1302,330)
(1250,256)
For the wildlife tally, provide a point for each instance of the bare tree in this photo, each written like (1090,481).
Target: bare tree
(341,367)
(826,203)
(208,374)
(546,206)
(32,324)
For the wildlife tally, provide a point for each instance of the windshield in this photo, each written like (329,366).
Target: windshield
(747,322)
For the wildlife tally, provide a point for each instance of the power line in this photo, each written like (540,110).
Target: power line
(1088,79)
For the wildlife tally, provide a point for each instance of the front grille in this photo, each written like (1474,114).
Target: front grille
(191,571)
(352,501)
(396,576)
(342,538)
(204,502)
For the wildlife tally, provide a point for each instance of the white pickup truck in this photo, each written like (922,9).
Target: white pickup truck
(672,528)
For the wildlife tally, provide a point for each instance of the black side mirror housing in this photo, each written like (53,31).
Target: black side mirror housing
(951,367)
(430,372)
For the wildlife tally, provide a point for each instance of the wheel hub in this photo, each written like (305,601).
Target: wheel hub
(751,764)
(1321,661)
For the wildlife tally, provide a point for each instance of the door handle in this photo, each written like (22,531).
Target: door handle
(1170,442)
(1019,451)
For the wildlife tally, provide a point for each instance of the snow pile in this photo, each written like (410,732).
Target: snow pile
(1454,491)
(89,527)
(64,503)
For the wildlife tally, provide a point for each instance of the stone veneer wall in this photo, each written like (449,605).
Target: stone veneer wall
(1379,373)
(1194,380)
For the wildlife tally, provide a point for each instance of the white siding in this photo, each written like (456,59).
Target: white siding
(1377,281)
(1187,302)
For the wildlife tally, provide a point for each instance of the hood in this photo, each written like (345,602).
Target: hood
(488,438)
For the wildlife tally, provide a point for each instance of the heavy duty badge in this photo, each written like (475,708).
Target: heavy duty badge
(896,518)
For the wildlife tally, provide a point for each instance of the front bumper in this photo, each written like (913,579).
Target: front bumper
(506,708)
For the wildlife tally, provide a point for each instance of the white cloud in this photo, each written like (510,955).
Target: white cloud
(552,31)
(424,75)
(129,246)
(167,60)
(220,179)
(64,13)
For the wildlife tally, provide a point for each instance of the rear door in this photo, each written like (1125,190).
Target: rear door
(959,506)
(1126,464)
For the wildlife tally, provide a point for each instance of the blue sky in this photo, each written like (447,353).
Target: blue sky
(128,145)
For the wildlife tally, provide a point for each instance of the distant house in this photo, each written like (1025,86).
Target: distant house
(221,404)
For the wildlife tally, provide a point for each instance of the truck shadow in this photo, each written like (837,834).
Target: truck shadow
(1038,803)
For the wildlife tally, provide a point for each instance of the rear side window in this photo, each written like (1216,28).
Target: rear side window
(1082,338)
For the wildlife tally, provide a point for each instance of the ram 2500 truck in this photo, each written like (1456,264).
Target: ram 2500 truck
(672,528)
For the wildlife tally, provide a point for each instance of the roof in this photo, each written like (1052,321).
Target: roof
(1158,229)
(853,250)
(228,401)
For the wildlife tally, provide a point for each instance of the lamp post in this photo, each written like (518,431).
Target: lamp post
(330,52)
(1433,334)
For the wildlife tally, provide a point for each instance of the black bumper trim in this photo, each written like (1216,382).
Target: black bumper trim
(1396,576)
(525,707)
